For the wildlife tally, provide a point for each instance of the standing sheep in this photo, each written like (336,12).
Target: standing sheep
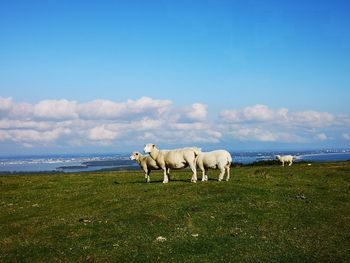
(146,163)
(285,159)
(219,159)
(174,159)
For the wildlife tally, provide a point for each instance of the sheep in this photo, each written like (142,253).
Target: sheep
(146,163)
(285,158)
(219,159)
(174,159)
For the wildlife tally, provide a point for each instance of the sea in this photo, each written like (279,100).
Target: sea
(121,161)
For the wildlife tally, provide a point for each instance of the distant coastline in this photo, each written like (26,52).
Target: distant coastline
(105,162)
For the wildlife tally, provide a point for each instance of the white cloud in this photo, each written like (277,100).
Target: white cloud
(313,118)
(263,135)
(256,113)
(56,110)
(321,136)
(31,136)
(197,112)
(5,104)
(64,122)
(4,135)
(24,124)
(101,109)
(262,113)
(346,136)
(106,109)
(190,126)
(101,133)
(145,103)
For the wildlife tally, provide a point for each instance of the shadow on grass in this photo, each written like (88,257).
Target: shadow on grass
(161,181)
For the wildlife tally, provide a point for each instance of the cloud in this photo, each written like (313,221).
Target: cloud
(102,122)
(261,123)
(56,110)
(321,136)
(5,104)
(4,136)
(262,113)
(101,133)
(106,109)
(29,137)
(257,113)
(106,122)
(263,135)
(346,136)
(197,112)
(313,118)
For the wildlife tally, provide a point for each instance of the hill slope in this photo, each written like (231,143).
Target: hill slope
(264,214)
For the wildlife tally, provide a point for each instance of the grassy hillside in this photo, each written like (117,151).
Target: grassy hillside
(264,214)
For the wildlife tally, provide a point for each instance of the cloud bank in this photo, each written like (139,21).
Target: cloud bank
(105,122)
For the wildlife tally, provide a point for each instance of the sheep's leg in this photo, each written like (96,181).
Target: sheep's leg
(166,179)
(290,163)
(168,173)
(228,172)
(222,172)
(194,171)
(203,175)
(201,167)
(148,178)
(282,163)
(146,173)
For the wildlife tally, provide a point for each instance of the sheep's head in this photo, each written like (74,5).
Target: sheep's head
(135,156)
(278,157)
(149,147)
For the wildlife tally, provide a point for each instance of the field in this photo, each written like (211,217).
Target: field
(263,214)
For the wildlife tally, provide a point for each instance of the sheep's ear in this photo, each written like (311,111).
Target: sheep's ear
(153,145)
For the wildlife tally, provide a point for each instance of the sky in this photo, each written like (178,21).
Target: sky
(110,76)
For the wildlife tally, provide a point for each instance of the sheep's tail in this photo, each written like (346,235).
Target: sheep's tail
(197,151)
(229,159)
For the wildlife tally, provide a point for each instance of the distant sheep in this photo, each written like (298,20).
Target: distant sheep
(146,163)
(219,159)
(285,159)
(174,159)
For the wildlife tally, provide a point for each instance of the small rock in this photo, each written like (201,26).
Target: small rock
(301,196)
(161,239)
(195,235)
(85,221)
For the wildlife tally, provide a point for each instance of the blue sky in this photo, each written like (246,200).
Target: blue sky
(223,72)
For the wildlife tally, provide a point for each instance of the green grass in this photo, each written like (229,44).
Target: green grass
(264,214)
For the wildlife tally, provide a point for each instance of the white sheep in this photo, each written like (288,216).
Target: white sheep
(146,163)
(219,159)
(174,159)
(285,159)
